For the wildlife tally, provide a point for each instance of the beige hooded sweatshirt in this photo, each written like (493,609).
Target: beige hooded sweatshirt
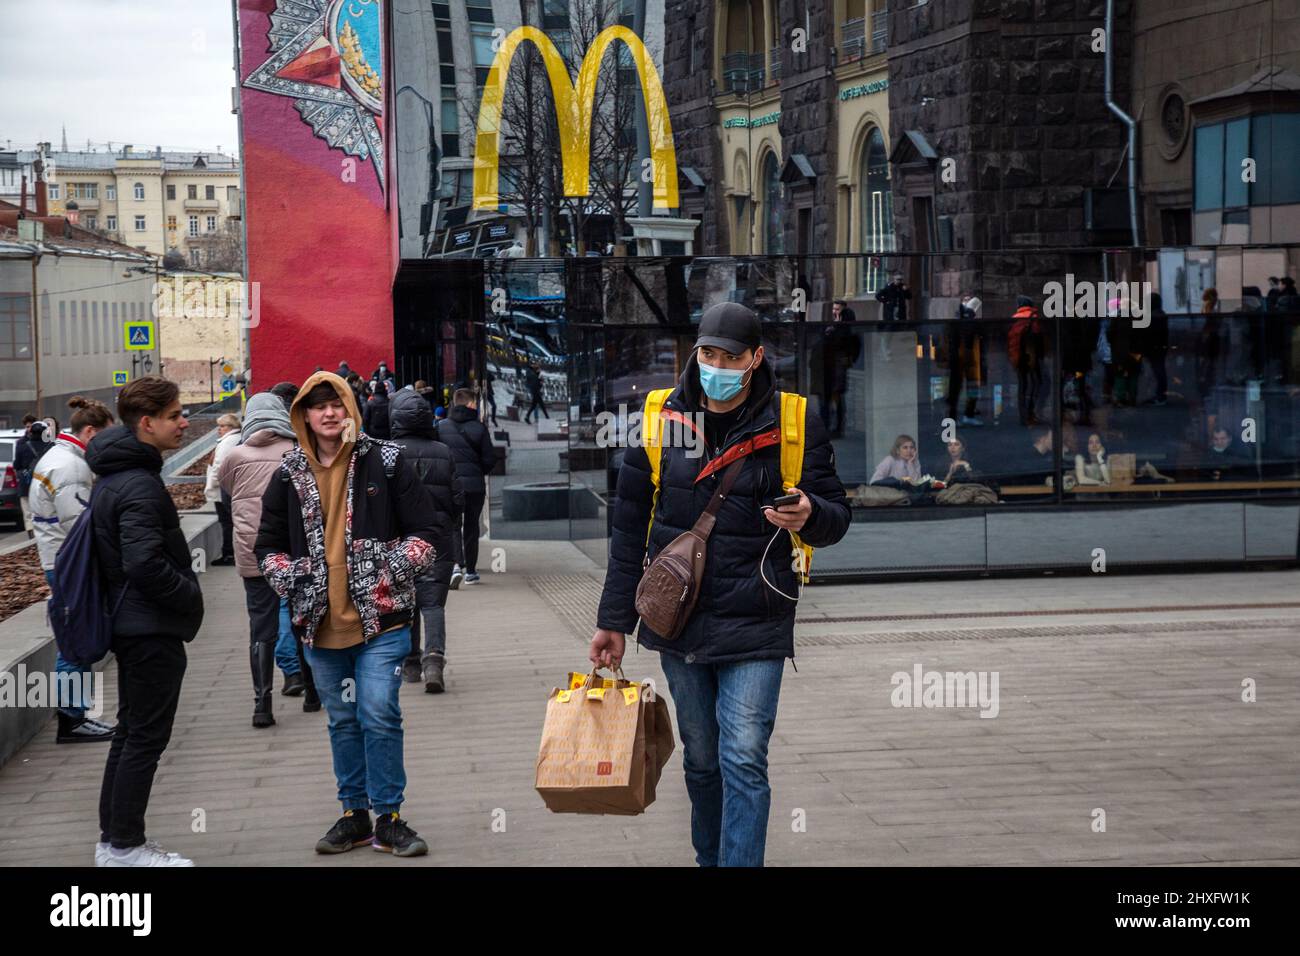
(341,626)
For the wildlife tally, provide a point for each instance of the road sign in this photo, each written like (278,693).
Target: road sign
(119,378)
(227,385)
(139,335)
(227,370)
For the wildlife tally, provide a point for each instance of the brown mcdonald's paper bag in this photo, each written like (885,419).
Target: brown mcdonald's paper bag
(604,745)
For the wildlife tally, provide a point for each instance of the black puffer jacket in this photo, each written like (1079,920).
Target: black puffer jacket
(470,443)
(142,552)
(411,420)
(375,415)
(738,617)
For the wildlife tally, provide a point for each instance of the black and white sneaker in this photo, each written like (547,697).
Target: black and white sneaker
(457,575)
(81,730)
(352,829)
(392,835)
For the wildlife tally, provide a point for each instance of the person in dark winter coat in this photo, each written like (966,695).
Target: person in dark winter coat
(470,443)
(39,439)
(375,421)
(157,606)
(346,529)
(893,299)
(537,399)
(413,431)
(724,669)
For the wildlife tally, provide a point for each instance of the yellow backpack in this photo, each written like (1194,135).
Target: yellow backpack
(793,408)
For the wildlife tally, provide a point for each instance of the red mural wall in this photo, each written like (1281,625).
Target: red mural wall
(320,240)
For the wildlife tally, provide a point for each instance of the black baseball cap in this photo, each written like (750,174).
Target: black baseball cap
(729,326)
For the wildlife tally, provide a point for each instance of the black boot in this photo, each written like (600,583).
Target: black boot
(262,658)
(310,699)
(434,682)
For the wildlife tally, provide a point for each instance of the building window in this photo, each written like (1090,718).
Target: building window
(92,223)
(15,326)
(194,258)
(139,190)
(212,224)
(139,223)
(47,323)
(63,326)
(110,192)
(192,191)
(52,190)
(108,329)
(876,214)
(773,207)
(1270,139)
(111,223)
(83,190)
(481,36)
(171,191)
(85,328)
(194,225)
(450,122)
(171,223)
(209,192)
(94,326)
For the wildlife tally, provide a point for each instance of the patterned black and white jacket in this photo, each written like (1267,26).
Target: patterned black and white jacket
(391,527)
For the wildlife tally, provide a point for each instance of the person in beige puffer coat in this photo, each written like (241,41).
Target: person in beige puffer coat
(245,471)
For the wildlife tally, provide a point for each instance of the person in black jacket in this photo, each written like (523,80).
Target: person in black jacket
(724,669)
(470,443)
(893,299)
(146,577)
(533,377)
(347,527)
(375,418)
(412,422)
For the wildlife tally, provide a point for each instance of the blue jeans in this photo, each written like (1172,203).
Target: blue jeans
(365,718)
(71,705)
(725,716)
(286,648)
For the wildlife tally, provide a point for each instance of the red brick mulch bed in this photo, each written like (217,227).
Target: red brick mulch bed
(22,583)
(188,496)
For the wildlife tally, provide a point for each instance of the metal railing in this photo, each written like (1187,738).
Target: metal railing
(742,72)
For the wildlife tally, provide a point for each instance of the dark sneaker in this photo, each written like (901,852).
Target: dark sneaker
(294,685)
(310,701)
(82,730)
(433,681)
(411,670)
(223,561)
(457,575)
(392,835)
(352,829)
(471,577)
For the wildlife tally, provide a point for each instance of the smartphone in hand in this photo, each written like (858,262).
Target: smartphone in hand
(784,500)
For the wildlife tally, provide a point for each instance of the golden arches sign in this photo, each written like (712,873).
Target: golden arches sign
(573,106)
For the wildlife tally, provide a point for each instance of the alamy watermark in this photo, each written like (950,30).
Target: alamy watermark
(933,689)
(624,429)
(1098,300)
(19,688)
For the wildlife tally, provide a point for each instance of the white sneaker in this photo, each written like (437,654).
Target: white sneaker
(101,853)
(471,578)
(148,853)
(457,575)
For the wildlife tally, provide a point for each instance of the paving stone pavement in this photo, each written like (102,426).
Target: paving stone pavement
(1095,712)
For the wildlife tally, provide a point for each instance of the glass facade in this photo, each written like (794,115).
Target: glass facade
(1035,437)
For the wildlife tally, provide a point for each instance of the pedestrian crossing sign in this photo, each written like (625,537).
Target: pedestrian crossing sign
(119,378)
(139,335)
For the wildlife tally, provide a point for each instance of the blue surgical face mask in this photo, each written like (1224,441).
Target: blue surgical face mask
(722,384)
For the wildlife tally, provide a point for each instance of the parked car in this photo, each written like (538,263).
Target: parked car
(11,508)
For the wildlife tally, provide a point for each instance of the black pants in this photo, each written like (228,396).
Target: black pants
(538,403)
(263,611)
(1029,380)
(150,671)
(468,532)
(227,526)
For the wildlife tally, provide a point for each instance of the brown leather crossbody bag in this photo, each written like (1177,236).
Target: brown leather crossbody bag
(670,585)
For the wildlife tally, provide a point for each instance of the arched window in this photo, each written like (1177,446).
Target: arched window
(139,190)
(877,214)
(773,207)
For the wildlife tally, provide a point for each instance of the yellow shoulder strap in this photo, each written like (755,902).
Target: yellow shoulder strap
(651,429)
(793,411)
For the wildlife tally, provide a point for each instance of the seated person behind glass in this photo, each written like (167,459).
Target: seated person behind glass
(901,463)
(959,468)
(1093,469)
(1223,461)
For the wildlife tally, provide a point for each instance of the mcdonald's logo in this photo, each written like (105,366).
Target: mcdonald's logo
(573,107)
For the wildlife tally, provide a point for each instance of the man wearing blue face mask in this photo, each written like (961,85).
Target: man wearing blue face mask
(725,666)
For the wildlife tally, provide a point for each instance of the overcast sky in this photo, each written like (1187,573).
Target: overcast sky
(146,72)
